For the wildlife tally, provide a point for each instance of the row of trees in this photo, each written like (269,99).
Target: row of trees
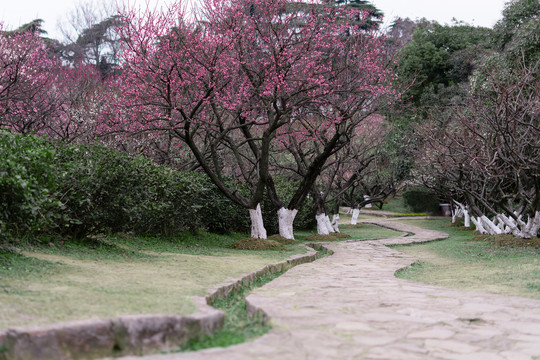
(252,91)
(245,91)
(481,150)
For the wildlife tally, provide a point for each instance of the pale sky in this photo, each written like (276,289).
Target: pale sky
(14,13)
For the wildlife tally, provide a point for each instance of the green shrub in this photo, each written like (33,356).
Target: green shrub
(421,200)
(113,192)
(27,179)
(76,190)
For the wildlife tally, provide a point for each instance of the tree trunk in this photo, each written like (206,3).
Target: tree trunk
(335,221)
(368,205)
(354,218)
(535,226)
(521,229)
(466,218)
(328,224)
(463,209)
(490,227)
(479,226)
(257,226)
(285,221)
(322,229)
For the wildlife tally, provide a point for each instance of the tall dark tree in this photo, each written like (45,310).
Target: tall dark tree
(372,21)
(517,16)
(90,35)
(439,57)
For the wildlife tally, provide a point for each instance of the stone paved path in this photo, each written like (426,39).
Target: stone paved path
(350,306)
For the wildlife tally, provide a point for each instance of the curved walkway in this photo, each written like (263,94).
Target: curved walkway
(350,306)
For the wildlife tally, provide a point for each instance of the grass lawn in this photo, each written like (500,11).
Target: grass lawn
(56,282)
(395,204)
(103,277)
(360,232)
(466,263)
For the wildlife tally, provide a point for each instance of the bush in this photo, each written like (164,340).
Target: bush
(74,190)
(52,187)
(421,200)
(27,181)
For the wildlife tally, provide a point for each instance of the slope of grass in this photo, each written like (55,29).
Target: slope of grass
(464,262)
(58,280)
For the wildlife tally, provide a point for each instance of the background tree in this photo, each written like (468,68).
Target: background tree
(366,15)
(485,155)
(485,148)
(27,75)
(90,35)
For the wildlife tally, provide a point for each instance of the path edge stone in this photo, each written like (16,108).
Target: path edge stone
(132,334)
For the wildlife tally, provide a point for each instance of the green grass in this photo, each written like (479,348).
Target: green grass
(465,263)
(52,279)
(395,204)
(201,243)
(239,326)
(361,232)
(95,248)
(18,266)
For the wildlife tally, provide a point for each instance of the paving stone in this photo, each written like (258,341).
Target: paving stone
(513,355)
(434,333)
(478,356)
(451,346)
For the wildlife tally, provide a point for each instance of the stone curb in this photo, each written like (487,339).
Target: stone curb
(131,334)
(221,291)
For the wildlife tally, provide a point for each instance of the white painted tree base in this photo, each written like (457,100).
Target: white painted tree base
(335,221)
(321,224)
(285,221)
(257,226)
(324,226)
(466,219)
(354,219)
(507,225)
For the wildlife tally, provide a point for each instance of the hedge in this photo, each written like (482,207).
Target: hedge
(75,190)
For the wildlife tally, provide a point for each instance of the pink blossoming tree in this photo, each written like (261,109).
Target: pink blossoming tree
(27,78)
(235,82)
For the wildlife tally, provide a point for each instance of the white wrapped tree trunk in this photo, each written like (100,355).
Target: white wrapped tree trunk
(257,226)
(466,218)
(329,224)
(354,219)
(535,226)
(479,227)
(285,221)
(367,206)
(490,226)
(322,229)
(521,229)
(456,212)
(335,221)
(461,211)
